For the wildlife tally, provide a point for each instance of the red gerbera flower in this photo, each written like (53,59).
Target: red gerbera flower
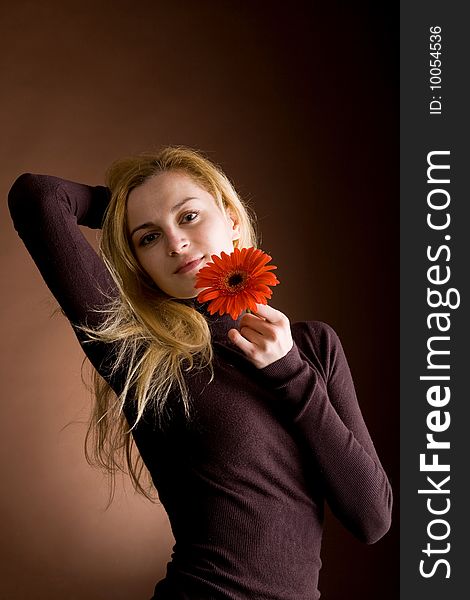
(236,282)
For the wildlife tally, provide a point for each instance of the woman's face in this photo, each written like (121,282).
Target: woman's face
(175,226)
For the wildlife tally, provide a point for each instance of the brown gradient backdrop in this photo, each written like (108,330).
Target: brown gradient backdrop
(299,104)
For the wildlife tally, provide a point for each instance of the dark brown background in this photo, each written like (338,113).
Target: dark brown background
(299,104)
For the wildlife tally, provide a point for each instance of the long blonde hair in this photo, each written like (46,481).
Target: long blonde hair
(155,339)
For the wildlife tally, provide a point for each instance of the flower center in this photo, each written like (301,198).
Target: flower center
(236,280)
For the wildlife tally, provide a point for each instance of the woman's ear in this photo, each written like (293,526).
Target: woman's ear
(235,224)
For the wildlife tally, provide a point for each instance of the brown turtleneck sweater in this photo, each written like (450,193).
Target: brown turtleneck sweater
(244,481)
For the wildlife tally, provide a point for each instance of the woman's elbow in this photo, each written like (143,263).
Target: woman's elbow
(22,184)
(27,197)
(376,525)
(22,189)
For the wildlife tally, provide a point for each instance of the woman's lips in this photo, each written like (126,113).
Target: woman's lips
(190,266)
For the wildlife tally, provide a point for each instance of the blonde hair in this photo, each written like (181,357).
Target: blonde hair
(155,339)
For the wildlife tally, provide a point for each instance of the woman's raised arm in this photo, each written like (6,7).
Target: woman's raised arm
(46,212)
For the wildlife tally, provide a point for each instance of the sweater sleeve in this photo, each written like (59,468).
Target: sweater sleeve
(315,381)
(46,213)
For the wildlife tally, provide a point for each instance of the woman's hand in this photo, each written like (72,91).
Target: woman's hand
(264,337)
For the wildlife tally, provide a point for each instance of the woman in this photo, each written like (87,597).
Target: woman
(245,426)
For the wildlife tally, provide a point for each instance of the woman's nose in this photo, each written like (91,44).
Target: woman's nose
(176,242)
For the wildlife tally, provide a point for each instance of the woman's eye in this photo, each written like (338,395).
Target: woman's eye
(188,217)
(147,239)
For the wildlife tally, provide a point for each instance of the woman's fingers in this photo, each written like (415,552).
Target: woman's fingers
(242,342)
(272,315)
(250,320)
(265,317)
(264,337)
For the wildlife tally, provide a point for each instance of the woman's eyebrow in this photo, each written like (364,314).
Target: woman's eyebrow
(173,209)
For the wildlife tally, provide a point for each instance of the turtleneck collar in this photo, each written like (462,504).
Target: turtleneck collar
(219,325)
